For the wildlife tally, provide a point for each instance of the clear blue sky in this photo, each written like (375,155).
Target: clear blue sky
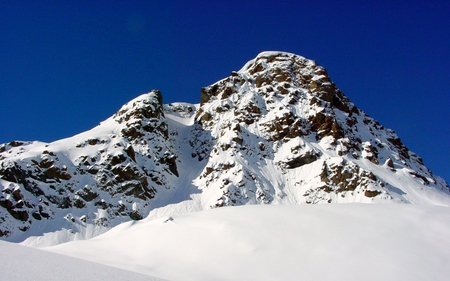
(67,65)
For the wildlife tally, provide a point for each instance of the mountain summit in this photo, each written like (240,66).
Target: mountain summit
(278,131)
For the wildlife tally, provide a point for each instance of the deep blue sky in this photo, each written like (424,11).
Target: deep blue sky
(67,65)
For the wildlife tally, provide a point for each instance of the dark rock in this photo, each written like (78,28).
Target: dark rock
(130,152)
(46,163)
(371,193)
(15,143)
(87,194)
(93,141)
(390,163)
(79,204)
(171,161)
(117,159)
(131,133)
(419,176)
(206,117)
(135,216)
(21,215)
(57,173)
(301,160)
(403,151)
(36,215)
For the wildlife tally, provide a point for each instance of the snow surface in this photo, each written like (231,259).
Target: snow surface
(281,242)
(28,264)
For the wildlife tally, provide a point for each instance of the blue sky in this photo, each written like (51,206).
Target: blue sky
(68,65)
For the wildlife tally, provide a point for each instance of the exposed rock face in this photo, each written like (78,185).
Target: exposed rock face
(115,174)
(277,131)
(282,114)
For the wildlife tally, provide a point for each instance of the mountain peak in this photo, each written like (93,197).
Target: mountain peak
(271,56)
(276,60)
(144,106)
(283,110)
(277,71)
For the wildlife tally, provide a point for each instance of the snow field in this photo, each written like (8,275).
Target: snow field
(280,242)
(28,264)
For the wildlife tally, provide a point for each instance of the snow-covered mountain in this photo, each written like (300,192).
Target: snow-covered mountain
(278,131)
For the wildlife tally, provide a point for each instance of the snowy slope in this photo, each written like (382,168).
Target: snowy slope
(28,264)
(274,242)
(278,131)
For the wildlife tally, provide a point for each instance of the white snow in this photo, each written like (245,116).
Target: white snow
(280,242)
(29,264)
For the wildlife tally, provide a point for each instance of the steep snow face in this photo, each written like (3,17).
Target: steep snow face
(284,133)
(278,131)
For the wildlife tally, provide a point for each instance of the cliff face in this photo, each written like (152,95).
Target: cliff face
(277,131)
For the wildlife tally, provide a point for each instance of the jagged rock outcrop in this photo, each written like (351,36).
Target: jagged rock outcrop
(111,171)
(282,114)
(276,131)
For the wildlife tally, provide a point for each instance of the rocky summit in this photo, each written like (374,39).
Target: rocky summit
(278,131)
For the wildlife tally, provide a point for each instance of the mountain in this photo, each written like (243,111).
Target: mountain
(278,131)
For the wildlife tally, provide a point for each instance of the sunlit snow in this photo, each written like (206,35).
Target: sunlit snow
(29,264)
(279,242)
